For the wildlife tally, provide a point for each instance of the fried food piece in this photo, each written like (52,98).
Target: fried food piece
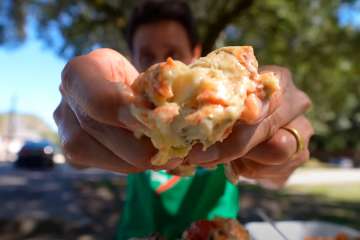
(217,229)
(339,236)
(182,105)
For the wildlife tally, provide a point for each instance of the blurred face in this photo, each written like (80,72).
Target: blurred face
(155,42)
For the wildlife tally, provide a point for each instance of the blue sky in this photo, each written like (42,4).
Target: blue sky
(350,14)
(31,72)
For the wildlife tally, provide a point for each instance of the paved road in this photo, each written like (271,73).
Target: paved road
(49,194)
(43,194)
(46,196)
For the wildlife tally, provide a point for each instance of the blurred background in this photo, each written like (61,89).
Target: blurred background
(43,198)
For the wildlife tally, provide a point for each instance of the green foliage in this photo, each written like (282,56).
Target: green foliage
(303,35)
(323,56)
(346,192)
(12,22)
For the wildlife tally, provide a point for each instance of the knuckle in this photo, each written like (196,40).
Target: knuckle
(279,146)
(305,101)
(271,125)
(66,72)
(72,67)
(57,115)
(86,123)
(72,149)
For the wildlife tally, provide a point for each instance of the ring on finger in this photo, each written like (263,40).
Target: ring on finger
(300,145)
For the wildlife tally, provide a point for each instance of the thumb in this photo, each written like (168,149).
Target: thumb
(99,84)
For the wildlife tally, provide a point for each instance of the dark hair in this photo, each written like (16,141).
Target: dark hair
(149,11)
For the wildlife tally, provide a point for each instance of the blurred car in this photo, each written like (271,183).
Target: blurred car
(36,155)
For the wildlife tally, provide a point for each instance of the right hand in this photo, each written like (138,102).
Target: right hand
(93,113)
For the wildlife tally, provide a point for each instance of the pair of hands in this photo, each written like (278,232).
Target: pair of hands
(95,125)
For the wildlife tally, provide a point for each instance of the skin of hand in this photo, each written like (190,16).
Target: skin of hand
(94,112)
(272,162)
(96,94)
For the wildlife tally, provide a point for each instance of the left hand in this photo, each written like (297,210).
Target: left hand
(94,118)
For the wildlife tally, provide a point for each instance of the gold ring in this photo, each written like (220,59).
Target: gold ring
(300,145)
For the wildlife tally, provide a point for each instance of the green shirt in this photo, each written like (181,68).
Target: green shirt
(158,202)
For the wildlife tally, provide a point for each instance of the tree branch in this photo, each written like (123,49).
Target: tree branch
(103,6)
(224,18)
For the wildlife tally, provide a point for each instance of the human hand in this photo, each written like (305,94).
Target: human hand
(93,117)
(273,161)
(81,150)
(245,137)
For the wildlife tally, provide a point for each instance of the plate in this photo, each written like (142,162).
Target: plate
(297,230)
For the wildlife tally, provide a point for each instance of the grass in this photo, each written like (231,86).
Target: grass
(314,163)
(338,192)
(338,204)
